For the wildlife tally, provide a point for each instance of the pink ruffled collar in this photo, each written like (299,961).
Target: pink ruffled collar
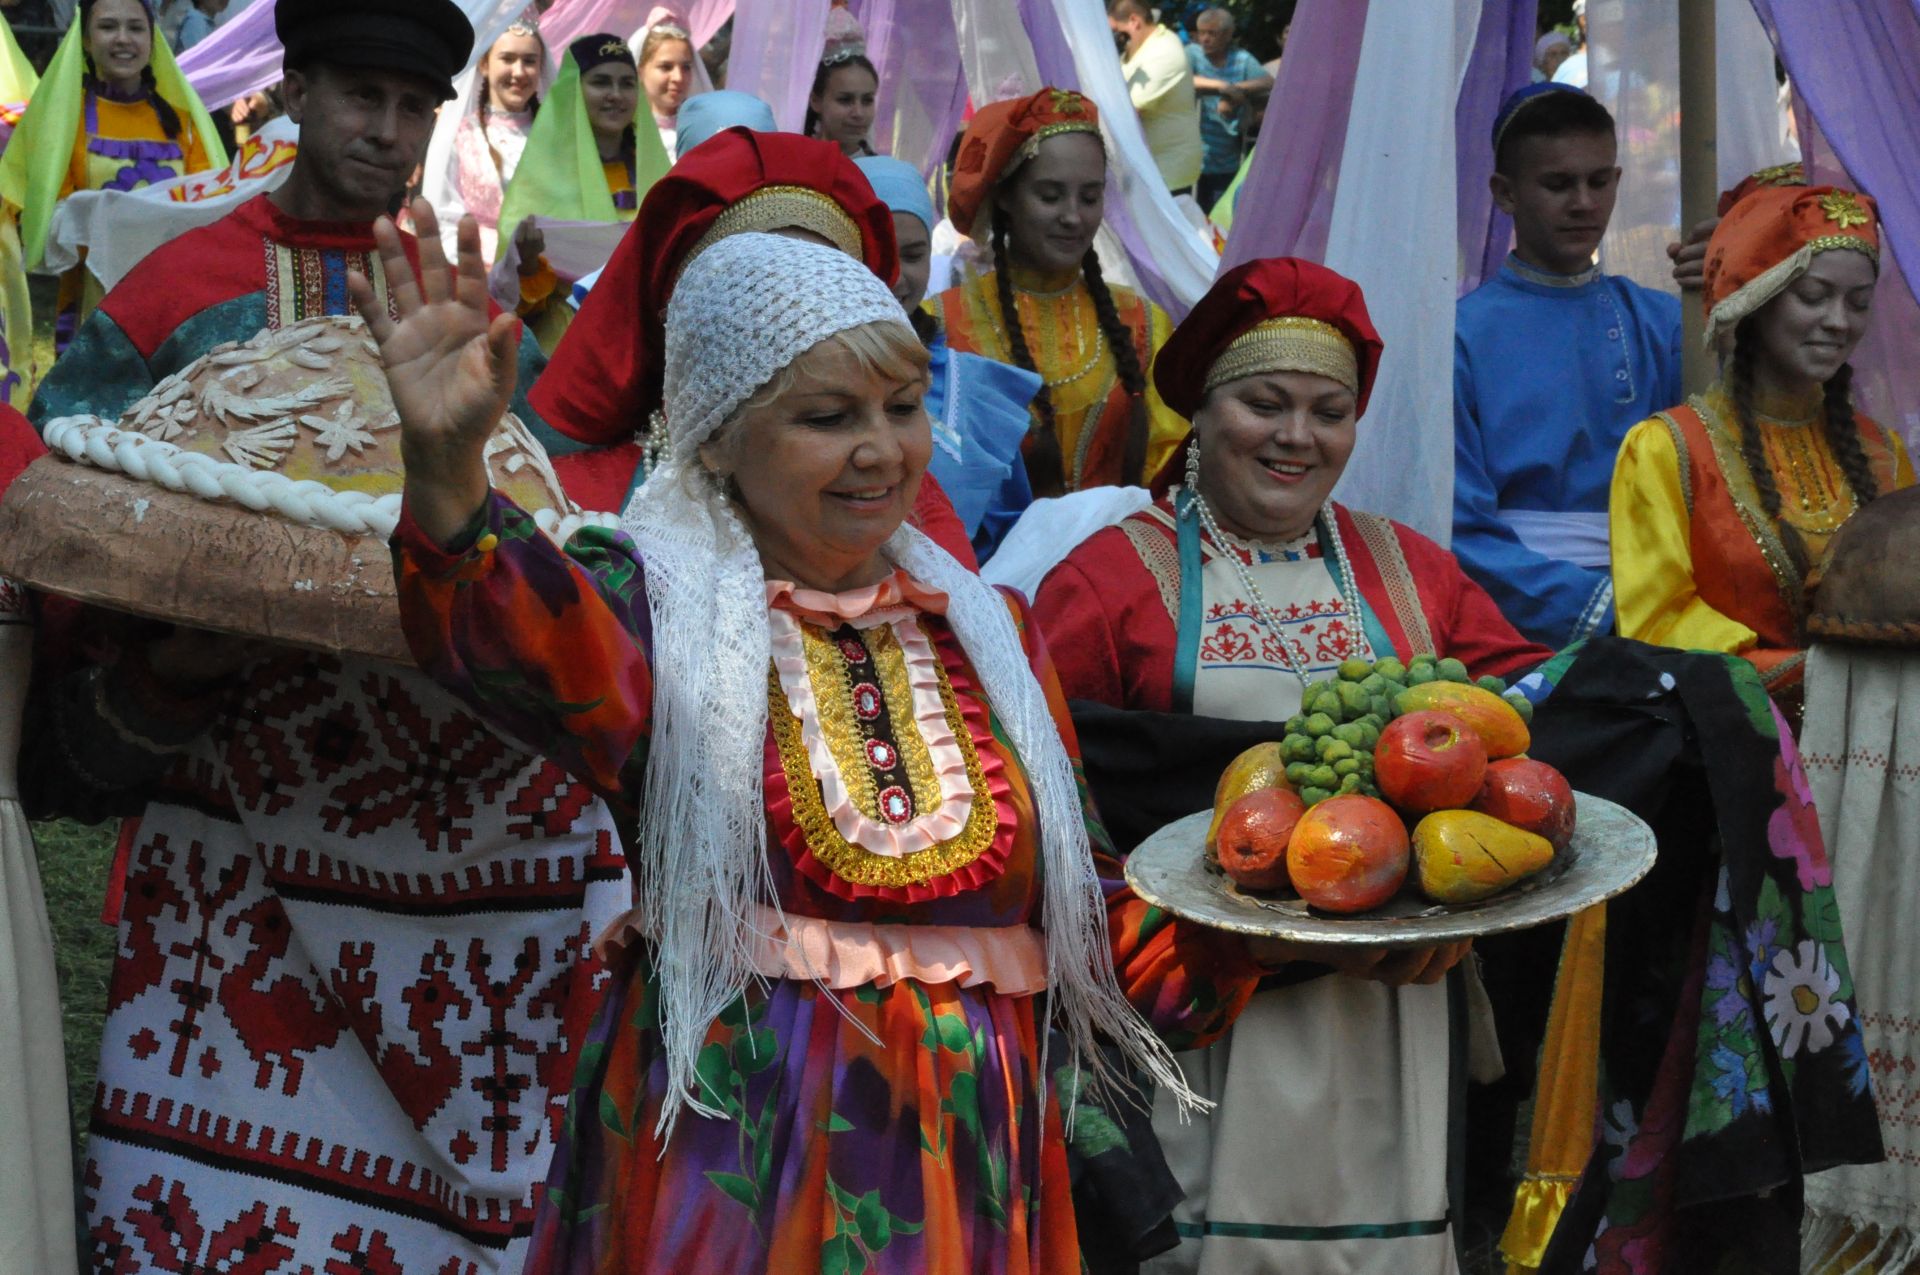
(830,610)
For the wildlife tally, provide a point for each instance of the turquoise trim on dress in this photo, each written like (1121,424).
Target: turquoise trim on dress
(1186,647)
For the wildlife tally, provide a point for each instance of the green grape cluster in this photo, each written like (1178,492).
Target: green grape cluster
(1328,745)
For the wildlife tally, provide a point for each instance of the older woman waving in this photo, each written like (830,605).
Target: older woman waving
(862,850)
(1204,618)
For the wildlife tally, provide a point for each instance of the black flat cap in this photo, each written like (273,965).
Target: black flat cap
(428,38)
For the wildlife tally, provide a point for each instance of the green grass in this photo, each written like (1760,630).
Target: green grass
(74,864)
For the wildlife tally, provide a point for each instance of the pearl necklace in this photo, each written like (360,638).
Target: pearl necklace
(1342,578)
(653,444)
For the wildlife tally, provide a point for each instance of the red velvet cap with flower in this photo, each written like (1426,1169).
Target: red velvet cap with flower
(1770,237)
(1003,136)
(1279,314)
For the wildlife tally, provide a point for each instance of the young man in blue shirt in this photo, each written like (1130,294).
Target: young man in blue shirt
(1554,361)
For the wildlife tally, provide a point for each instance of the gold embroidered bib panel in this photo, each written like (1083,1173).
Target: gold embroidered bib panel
(891,792)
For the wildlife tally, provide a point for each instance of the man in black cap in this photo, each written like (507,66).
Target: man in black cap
(364,79)
(354,951)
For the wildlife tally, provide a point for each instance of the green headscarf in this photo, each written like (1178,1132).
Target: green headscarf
(559,176)
(35,163)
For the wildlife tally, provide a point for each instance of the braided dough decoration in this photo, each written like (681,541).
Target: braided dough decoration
(311,396)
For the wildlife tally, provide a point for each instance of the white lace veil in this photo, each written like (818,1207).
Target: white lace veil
(743,310)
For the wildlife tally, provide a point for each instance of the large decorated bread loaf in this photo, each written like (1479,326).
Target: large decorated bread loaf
(1867,588)
(252,492)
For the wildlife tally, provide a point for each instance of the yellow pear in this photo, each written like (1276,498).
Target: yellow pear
(1463,856)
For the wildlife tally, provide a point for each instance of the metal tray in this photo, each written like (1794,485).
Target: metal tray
(1611,850)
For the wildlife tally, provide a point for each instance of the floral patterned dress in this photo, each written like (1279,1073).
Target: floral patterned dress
(893,1116)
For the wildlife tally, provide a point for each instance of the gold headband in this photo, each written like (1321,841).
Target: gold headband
(1290,344)
(1031,147)
(774,208)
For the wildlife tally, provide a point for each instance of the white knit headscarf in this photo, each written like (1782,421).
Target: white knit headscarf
(745,309)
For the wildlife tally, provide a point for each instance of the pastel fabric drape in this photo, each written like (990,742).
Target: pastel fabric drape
(35,165)
(1399,153)
(1861,747)
(776,49)
(923,91)
(1857,69)
(244,55)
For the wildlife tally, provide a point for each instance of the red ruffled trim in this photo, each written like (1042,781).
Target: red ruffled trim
(979,874)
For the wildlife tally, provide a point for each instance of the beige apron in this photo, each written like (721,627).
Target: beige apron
(1327,1153)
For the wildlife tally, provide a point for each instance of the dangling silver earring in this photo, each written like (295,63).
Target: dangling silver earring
(1193,465)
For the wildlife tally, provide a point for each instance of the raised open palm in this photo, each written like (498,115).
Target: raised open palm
(449,368)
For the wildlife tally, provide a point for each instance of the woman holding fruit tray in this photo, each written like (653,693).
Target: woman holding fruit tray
(1231,602)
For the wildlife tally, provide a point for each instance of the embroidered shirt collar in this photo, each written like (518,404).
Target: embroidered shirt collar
(1546,278)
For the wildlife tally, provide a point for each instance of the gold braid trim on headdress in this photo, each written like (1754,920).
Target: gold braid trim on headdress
(1292,343)
(775,208)
(1031,147)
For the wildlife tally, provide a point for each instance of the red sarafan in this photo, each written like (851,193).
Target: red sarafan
(1429,760)
(1348,854)
(1254,835)
(1530,795)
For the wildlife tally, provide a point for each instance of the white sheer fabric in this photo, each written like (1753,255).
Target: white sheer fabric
(114,230)
(1633,67)
(1635,71)
(1399,154)
(1749,130)
(776,48)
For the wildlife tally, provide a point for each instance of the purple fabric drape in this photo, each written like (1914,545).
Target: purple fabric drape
(922,89)
(239,58)
(244,55)
(1502,62)
(1286,202)
(776,49)
(568,20)
(1857,66)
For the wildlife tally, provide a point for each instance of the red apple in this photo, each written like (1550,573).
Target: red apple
(1254,833)
(1429,761)
(1348,854)
(1530,795)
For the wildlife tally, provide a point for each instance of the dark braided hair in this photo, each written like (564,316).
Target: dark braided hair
(1126,361)
(1740,389)
(1843,436)
(169,118)
(1046,469)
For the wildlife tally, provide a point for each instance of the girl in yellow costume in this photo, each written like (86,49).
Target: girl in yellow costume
(586,160)
(17,82)
(1721,506)
(112,112)
(1031,177)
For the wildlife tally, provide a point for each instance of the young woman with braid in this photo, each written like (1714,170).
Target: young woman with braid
(1721,507)
(1031,180)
